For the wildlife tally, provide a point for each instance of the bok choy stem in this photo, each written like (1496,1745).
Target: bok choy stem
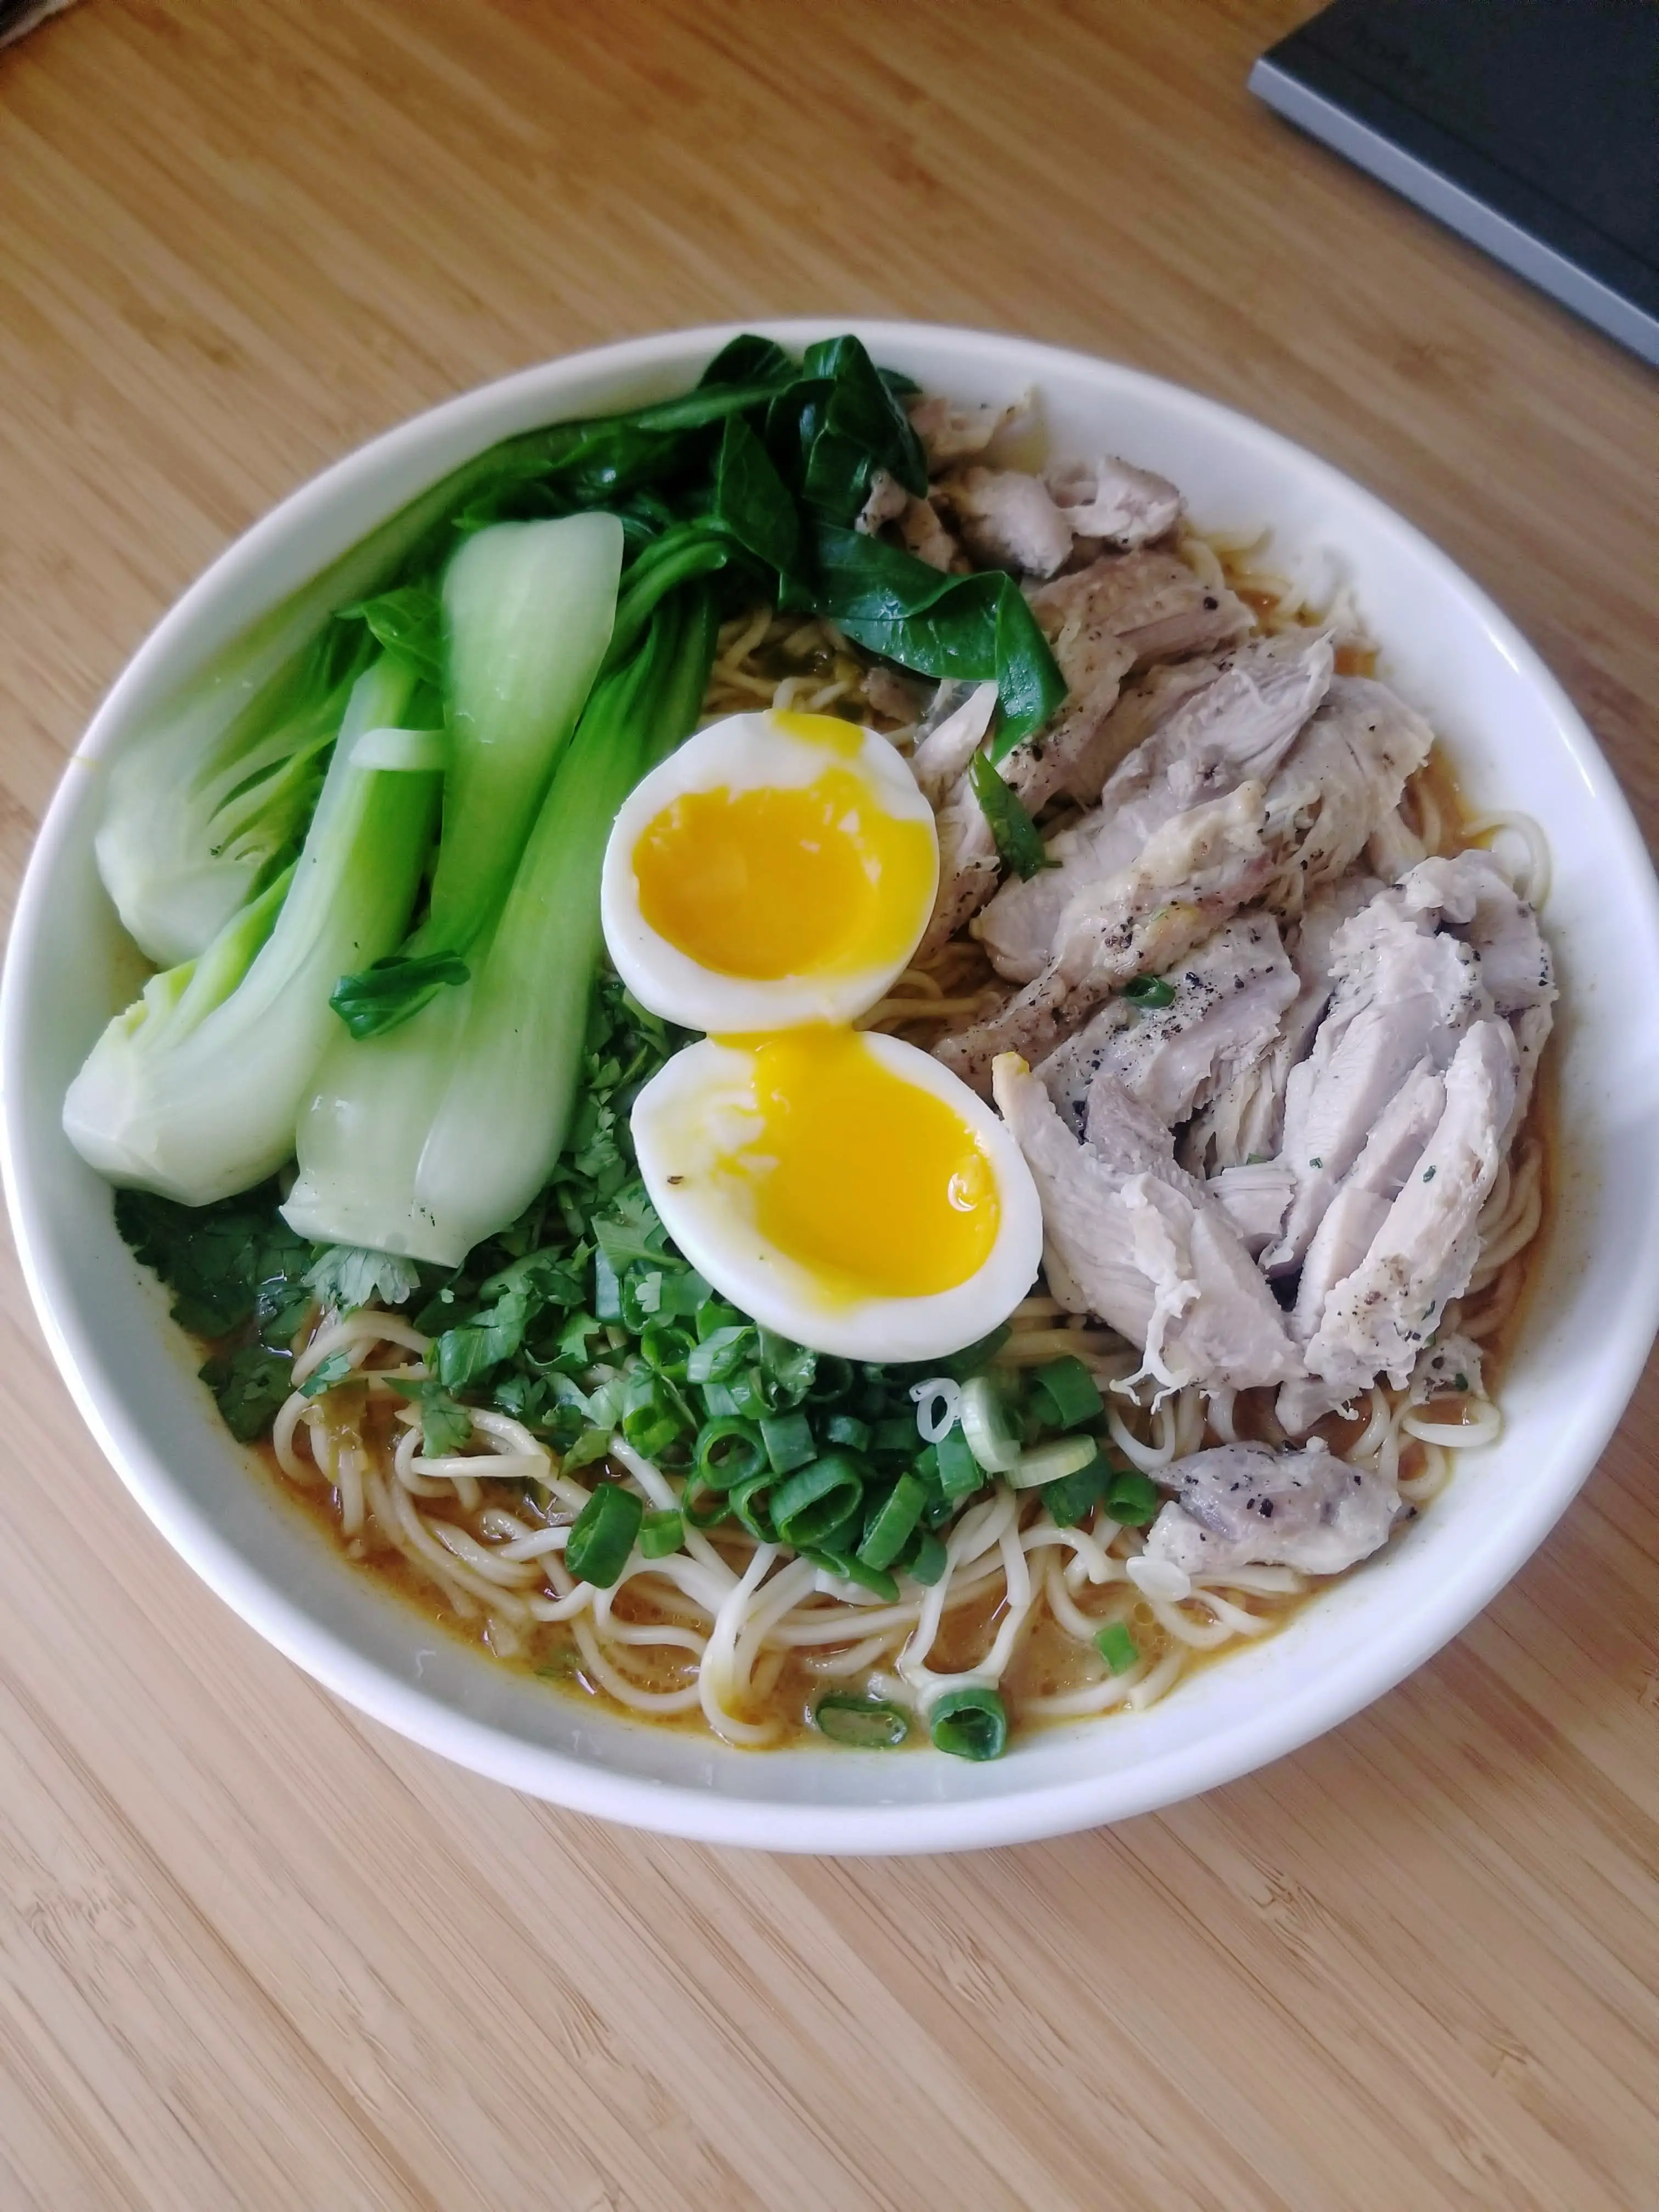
(194,1090)
(426,1140)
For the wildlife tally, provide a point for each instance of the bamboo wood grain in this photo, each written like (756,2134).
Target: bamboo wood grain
(254,1952)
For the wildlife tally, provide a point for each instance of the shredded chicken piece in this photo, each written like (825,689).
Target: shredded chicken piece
(1241,1505)
(1133,1238)
(1007,519)
(1109,499)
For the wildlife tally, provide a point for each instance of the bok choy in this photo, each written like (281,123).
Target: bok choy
(425,1140)
(527,614)
(194,1090)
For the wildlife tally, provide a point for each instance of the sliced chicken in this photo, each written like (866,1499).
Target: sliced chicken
(1133,1238)
(950,734)
(1343,777)
(1238,724)
(1369,1188)
(950,433)
(1378,1317)
(1110,500)
(893,694)
(1255,1193)
(1403,993)
(922,532)
(1007,519)
(1150,601)
(887,500)
(1472,896)
(1191,876)
(1245,1122)
(1147,595)
(1245,1505)
(1229,994)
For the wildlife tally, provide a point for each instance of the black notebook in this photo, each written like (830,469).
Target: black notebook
(1532,126)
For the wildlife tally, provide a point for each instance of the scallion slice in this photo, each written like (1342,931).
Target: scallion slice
(603,1534)
(1150,992)
(1065,1393)
(988,1424)
(1117,1647)
(970,1724)
(891,1529)
(661,1534)
(959,1473)
(1050,1462)
(866,1723)
(788,1440)
(929,1562)
(1134,1499)
(728,1450)
(809,1503)
(848,1429)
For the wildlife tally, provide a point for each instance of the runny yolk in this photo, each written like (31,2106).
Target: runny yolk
(871,1183)
(810,879)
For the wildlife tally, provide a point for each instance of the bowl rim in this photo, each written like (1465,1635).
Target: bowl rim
(1329,1698)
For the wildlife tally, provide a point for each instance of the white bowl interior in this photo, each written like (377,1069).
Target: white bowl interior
(1515,741)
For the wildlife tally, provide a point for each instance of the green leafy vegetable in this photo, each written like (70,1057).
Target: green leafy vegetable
(407,621)
(1018,844)
(336,1368)
(250,1385)
(345,1276)
(228,1265)
(380,997)
(974,628)
(446,1423)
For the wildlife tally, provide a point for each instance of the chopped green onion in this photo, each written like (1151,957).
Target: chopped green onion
(893,1433)
(1134,1499)
(717,1402)
(959,1473)
(791,1367)
(668,1348)
(810,1504)
(833,1379)
(970,1724)
(1075,1497)
(929,1562)
(720,1354)
(661,1533)
(702,1506)
(1048,1462)
(852,1569)
(1117,1647)
(603,1535)
(715,1315)
(891,1529)
(1066,1393)
(750,1500)
(848,1429)
(865,1723)
(788,1440)
(1150,992)
(988,1423)
(728,1451)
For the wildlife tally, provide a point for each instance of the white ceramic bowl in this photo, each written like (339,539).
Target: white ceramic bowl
(1515,740)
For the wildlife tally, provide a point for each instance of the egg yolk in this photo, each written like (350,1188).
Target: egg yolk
(869,1182)
(812,879)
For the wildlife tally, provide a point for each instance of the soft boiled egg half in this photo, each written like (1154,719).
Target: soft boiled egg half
(842,1188)
(778,868)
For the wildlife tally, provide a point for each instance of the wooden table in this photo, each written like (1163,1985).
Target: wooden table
(257,1952)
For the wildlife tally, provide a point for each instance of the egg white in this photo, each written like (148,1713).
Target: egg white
(748,752)
(701,1109)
